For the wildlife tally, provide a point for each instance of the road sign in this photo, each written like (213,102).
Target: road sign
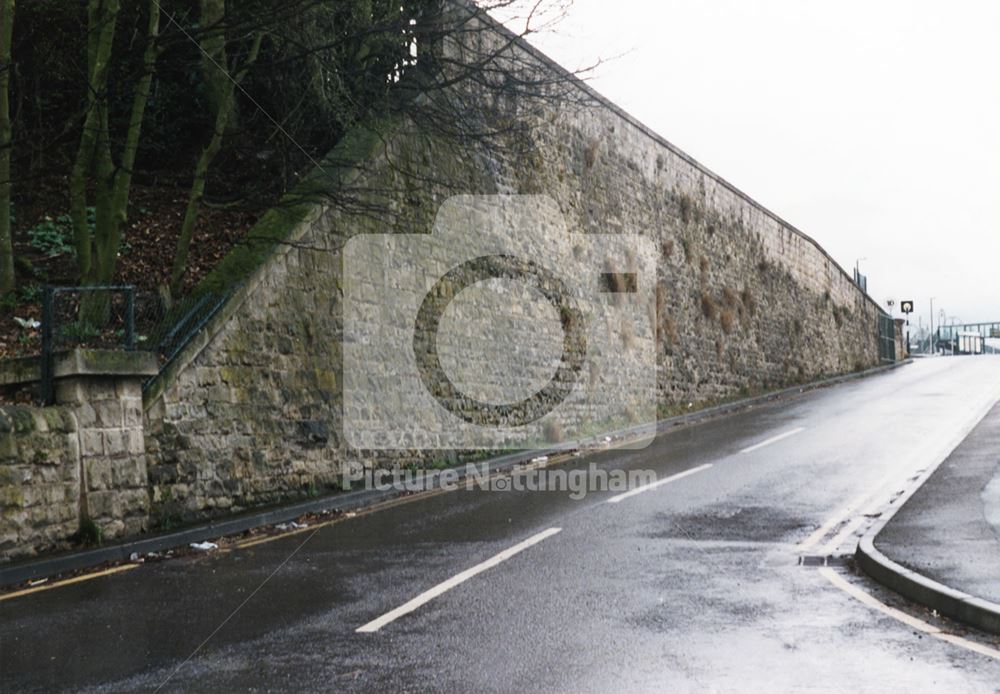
(906,306)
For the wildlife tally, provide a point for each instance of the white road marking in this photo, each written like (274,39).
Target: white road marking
(844,514)
(666,480)
(872,501)
(849,528)
(908,620)
(773,439)
(455,580)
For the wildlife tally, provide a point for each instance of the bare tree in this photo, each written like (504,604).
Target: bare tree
(97,253)
(6,240)
(276,84)
(222,80)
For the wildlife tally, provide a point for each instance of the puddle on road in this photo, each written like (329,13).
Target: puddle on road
(729,523)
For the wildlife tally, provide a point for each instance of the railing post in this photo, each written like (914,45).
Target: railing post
(130,317)
(47,386)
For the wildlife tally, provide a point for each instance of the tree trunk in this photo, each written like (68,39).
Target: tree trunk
(227,91)
(6,239)
(109,242)
(113,183)
(102,16)
(213,52)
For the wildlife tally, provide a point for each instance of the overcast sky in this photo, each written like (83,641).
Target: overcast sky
(870,125)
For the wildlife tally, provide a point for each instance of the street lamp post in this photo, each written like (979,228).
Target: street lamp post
(930,340)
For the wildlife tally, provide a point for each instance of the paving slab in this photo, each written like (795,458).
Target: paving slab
(949,530)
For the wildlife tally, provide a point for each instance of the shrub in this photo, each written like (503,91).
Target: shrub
(708,307)
(841,315)
(728,321)
(590,154)
(53,237)
(90,533)
(668,330)
(729,297)
(687,208)
(749,303)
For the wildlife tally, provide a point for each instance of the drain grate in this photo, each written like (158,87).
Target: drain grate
(828,560)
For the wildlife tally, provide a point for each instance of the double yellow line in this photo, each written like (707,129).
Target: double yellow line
(68,581)
(253,542)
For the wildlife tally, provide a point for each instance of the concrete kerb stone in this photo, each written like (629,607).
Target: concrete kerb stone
(966,608)
(347,501)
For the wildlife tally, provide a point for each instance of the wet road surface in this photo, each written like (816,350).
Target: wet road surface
(694,585)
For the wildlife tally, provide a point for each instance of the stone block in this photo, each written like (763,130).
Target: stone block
(129,473)
(104,504)
(161,475)
(13,497)
(70,392)
(48,474)
(132,412)
(9,540)
(128,388)
(67,513)
(8,448)
(98,389)
(115,442)
(134,502)
(109,414)
(112,529)
(39,516)
(99,474)
(53,495)
(14,475)
(136,444)
(135,525)
(91,443)
(72,450)
(86,415)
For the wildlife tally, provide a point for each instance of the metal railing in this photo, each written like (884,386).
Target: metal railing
(118,317)
(178,325)
(886,339)
(101,316)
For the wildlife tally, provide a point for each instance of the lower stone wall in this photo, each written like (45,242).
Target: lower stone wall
(75,472)
(39,479)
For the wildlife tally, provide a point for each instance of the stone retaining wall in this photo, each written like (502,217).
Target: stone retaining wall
(252,411)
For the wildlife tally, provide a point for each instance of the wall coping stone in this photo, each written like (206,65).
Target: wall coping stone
(80,362)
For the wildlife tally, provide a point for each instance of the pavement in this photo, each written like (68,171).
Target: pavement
(948,531)
(730,573)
